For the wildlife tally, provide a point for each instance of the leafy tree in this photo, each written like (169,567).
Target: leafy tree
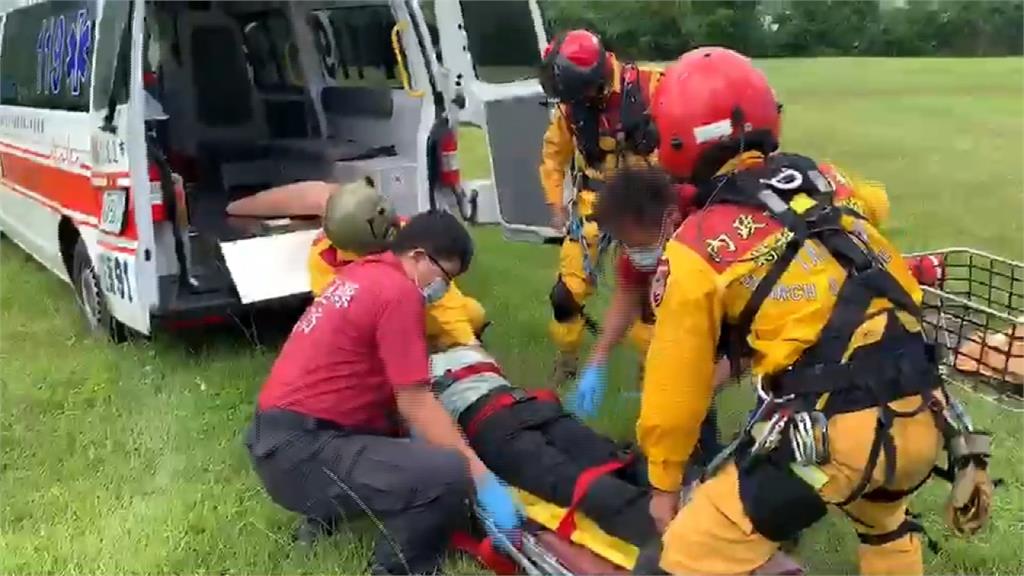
(661,30)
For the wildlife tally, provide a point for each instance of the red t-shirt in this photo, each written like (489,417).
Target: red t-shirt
(357,342)
(629,277)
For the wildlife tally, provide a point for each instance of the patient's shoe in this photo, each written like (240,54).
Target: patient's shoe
(566,369)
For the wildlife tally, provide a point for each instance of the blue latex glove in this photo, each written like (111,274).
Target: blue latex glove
(502,520)
(589,393)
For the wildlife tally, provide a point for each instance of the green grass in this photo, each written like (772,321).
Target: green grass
(120,459)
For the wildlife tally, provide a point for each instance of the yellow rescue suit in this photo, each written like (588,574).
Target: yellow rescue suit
(454,320)
(560,149)
(708,274)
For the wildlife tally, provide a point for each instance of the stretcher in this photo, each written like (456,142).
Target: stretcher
(974,313)
(559,541)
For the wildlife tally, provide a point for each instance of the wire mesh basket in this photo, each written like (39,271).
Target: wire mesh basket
(974,312)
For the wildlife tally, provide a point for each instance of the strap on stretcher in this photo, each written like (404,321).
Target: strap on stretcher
(503,401)
(566,527)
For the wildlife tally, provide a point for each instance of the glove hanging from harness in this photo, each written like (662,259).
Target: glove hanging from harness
(797,195)
(969,504)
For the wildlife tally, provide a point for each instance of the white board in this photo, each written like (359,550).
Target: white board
(269,267)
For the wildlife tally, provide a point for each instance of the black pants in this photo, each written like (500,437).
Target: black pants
(537,446)
(416,491)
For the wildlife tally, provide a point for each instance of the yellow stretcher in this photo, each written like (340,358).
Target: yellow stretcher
(587,534)
(543,553)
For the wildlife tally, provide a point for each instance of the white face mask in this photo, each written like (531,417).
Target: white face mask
(434,290)
(644,259)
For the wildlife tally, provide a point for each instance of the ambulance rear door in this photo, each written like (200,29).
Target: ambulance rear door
(492,51)
(124,249)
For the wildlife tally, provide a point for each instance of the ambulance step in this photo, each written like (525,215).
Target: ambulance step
(209,295)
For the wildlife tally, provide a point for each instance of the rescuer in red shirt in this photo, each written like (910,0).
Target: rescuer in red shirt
(328,437)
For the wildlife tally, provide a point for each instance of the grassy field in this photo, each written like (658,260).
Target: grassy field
(129,459)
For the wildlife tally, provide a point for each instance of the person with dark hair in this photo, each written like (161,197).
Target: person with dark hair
(783,263)
(329,437)
(640,207)
(601,123)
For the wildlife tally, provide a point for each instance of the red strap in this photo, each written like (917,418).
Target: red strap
(473,370)
(485,553)
(545,395)
(502,401)
(498,403)
(583,483)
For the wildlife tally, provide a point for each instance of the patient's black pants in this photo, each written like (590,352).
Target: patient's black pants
(537,446)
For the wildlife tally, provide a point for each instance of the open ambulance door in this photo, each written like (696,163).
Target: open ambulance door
(492,51)
(123,253)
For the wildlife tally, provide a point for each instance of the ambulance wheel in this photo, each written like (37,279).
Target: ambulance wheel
(91,302)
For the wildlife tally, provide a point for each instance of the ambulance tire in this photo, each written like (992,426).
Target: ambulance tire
(89,296)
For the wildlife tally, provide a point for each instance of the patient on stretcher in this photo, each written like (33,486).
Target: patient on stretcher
(529,440)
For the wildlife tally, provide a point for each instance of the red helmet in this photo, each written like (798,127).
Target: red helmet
(574,66)
(707,96)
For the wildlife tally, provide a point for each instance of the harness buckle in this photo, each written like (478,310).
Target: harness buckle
(444,381)
(786,179)
(519,394)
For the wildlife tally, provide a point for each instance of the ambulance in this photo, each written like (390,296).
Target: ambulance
(126,127)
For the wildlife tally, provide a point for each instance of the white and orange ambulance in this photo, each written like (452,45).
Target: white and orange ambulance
(127,126)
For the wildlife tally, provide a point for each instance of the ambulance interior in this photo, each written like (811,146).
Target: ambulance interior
(250,95)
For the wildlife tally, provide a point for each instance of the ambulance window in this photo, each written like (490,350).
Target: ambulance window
(502,39)
(355,46)
(113,55)
(430,19)
(47,56)
(272,53)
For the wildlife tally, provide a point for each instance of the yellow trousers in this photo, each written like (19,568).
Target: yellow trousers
(567,334)
(713,535)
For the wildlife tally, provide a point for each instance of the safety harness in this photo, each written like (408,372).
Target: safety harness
(821,384)
(506,398)
(632,130)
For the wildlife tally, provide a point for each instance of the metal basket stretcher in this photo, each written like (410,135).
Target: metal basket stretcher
(974,313)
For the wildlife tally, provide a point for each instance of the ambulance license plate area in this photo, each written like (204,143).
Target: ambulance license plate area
(116,276)
(112,216)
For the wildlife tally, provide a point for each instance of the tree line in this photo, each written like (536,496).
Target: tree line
(661,30)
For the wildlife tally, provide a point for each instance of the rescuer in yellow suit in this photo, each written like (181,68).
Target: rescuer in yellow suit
(783,263)
(453,319)
(601,123)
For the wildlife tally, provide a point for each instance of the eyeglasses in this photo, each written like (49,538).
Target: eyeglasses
(448,277)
